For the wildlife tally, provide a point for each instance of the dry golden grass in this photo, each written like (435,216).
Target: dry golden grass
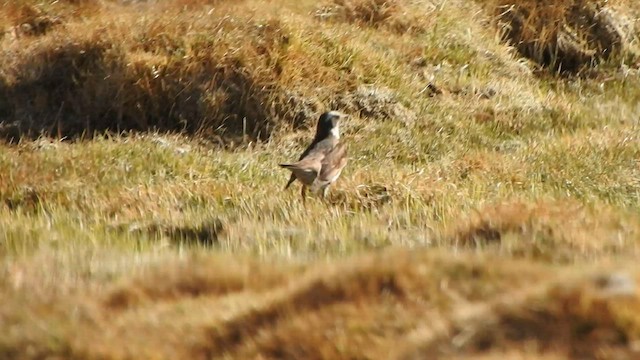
(489,209)
(569,35)
(397,304)
(555,231)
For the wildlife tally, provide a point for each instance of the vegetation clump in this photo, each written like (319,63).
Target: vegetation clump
(569,36)
(489,208)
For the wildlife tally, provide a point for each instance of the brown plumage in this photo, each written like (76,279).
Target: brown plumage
(322,162)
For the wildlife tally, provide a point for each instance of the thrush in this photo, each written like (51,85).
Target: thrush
(321,163)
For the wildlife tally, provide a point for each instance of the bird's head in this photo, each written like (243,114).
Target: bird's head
(329,124)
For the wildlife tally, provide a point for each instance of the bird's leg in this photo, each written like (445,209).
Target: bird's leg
(303,192)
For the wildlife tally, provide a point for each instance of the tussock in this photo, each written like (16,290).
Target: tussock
(235,74)
(567,36)
(572,318)
(375,102)
(157,74)
(246,309)
(389,14)
(547,230)
(59,86)
(168,244)
(199,277)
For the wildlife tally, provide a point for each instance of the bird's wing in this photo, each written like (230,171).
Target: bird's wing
(306,152)
(333,163)
(314,152)
(307,169)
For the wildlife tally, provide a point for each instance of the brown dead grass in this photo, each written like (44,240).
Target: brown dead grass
(393,15)
(567,35)
(379,306)
(572,319)
(146,245)
(167,71)
(218,278)
(557,231)
(226,72)
(230,71)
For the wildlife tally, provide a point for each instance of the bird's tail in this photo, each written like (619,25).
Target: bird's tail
(292,178)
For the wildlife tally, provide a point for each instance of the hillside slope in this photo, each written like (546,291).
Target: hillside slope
(489,209)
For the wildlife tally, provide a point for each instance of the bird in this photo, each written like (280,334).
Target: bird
(322,162)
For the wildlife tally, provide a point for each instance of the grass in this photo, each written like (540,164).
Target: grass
(489,209)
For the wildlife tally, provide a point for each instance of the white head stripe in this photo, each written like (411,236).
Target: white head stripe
(336,132)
